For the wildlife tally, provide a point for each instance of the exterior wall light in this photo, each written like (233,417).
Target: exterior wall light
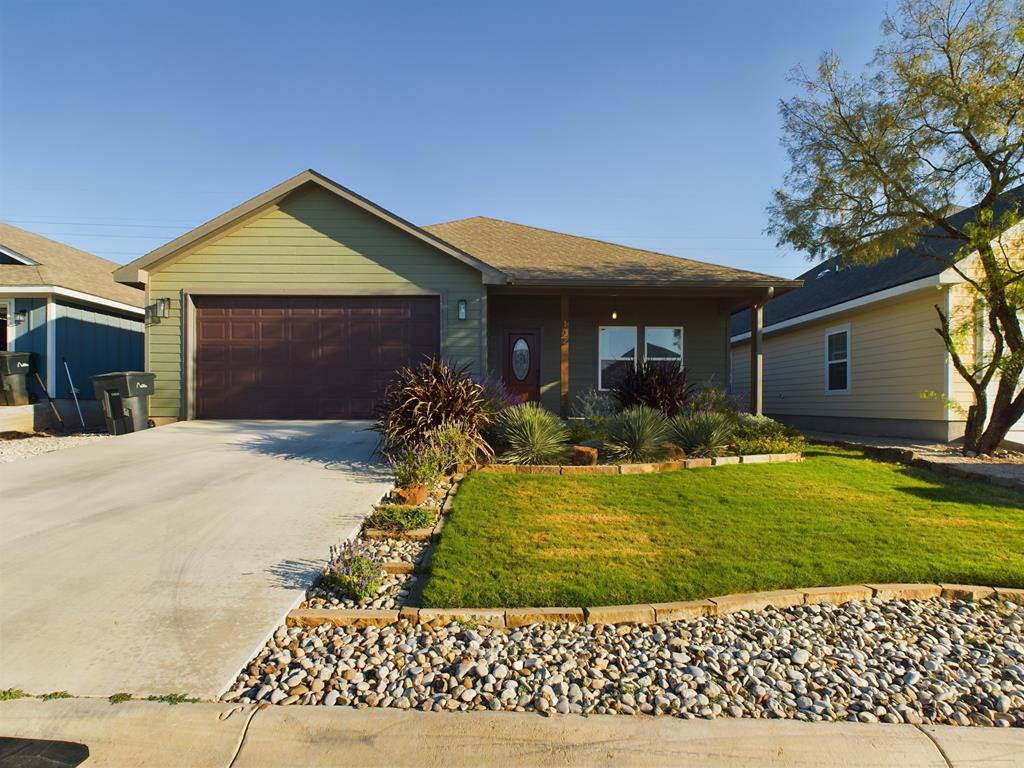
(158,309)
(615,315)
(20,317)
(463,309)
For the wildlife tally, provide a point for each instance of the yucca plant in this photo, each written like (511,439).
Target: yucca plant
(638,434)
(432,397)
(529,434)
(702,434)
(654,384)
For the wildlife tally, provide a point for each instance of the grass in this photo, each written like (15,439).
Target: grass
(837,518)
(119,698)
(398,517)
(56,695)
(10,694)
(173,698)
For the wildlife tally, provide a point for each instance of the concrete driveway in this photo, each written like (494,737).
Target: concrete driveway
(159,562)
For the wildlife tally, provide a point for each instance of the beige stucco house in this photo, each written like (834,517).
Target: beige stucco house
(855,350)
(304,301)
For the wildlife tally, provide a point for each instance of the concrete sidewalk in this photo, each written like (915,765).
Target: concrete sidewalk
(199,735)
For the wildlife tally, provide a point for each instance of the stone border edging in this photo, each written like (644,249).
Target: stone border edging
(649,613)
(635,469)
(914,459)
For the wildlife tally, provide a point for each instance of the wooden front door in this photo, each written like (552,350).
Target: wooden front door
(522,364)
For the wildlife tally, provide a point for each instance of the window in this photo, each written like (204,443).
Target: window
(837,360)
(664,345)
(616,353)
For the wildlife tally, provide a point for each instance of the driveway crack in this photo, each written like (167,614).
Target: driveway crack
(245,732)
(935,743)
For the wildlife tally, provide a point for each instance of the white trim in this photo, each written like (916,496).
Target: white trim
(8,329)
(70,293)
(948,360)
(829,332)
(933,281)
(51,347)
(600,359)
(6,251)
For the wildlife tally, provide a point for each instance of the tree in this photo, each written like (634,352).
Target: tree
(878,158)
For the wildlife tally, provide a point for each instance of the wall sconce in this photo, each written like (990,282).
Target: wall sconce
(158,309)
(615,315)
(20,317)
(463,309)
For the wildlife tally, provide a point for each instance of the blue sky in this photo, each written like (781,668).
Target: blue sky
(124,124)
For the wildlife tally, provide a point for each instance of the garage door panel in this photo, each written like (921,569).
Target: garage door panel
(306,357)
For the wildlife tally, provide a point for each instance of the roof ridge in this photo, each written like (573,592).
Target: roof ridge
(684,259)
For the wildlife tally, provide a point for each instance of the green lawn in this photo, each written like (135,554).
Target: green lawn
(836,518)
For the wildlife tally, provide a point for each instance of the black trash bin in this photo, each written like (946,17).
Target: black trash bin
(123,396)
(14,370)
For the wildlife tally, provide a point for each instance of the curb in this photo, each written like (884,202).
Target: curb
(651,613)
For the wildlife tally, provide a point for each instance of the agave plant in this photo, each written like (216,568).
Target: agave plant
(638,434)
(529,434)
(654,384)
(430,398)
(702,434)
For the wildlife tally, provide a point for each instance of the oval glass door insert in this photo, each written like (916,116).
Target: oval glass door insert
(520,359)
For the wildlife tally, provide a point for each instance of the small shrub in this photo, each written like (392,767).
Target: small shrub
(450,446)
(432,396)
(760,434)
(637,435)
(702,434)
(399,517)
(416,468)
(710,397)
(529,434)
(594,404)
(656,385)
(358,573)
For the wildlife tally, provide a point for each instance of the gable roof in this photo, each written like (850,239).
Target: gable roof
(56,264)
(826,286)
(135,273)
(541,256)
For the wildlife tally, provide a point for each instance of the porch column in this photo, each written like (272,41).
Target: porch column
(756,357)
(563,378)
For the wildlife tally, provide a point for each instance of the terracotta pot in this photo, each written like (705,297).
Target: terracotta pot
(412,495)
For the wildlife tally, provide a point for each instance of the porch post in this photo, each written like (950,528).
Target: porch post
(756,357)
(564,359)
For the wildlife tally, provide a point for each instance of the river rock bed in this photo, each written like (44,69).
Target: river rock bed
(396,550)
(915,662)
(392,594)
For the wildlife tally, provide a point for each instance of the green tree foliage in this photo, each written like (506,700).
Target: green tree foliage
(879,158)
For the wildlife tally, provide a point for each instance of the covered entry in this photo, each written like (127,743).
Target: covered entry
(306,357)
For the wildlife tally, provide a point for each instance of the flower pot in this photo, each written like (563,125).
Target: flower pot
(412,495)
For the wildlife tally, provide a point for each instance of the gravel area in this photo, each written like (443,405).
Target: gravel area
(23,448)
(397,550)
(392,594)
(900,662)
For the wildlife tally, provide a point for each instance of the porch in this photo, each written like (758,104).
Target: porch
(552,345)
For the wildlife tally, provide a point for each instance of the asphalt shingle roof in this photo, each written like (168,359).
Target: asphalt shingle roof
(530,254)
(825,286)
(62,265)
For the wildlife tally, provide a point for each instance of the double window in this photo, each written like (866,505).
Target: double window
(617,350)
(837,360)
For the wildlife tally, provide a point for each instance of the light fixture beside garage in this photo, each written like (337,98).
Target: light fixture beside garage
(158,309)
(463,309)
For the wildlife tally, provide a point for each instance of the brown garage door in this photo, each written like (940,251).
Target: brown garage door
(326,357)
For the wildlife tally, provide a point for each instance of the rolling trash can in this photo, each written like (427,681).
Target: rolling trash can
(14,370)
(124,397)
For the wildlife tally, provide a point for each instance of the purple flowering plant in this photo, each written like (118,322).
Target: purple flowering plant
(356,571)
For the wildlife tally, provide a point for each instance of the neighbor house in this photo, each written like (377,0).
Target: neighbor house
(305,300)
(63,305)
(856,350)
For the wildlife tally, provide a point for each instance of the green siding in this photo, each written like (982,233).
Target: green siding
(705,334)
(313,241)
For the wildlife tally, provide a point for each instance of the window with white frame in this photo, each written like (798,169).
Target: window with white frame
(663,345)
(837,360)
(616,346)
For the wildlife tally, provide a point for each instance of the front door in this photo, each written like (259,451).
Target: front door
(522,365)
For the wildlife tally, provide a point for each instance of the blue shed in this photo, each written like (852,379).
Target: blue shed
(63,305)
